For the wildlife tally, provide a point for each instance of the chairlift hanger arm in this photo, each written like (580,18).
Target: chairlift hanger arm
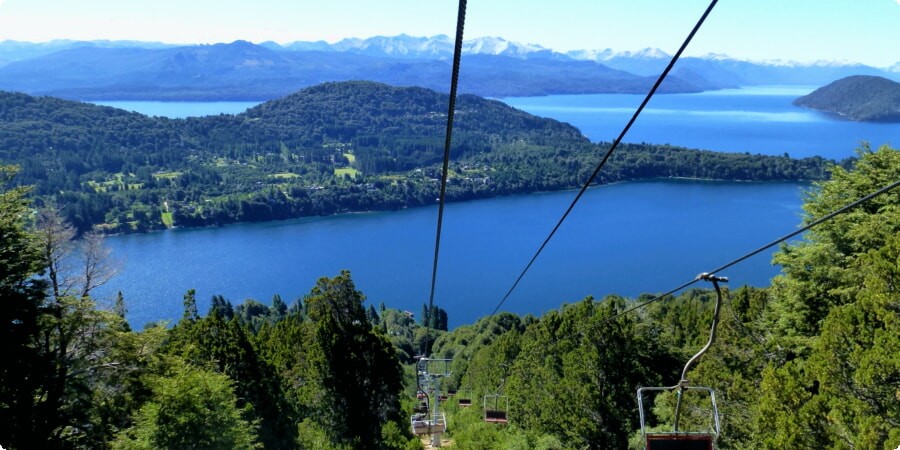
(683,382)
(715,322)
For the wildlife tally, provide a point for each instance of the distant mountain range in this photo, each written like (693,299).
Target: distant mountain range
(493,66)
(861,98)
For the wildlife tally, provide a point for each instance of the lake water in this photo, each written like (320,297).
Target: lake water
(624,239)
(756,120)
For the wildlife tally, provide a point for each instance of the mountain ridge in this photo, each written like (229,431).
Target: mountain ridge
(404,45)
(244,71)
(111,70)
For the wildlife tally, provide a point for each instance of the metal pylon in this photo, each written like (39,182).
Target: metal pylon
(432,371)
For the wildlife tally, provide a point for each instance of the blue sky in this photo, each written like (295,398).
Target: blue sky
(866,31)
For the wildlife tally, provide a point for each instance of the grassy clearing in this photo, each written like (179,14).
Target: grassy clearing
(350,157)
(284,175)
(166,175)
(346,171)
(167,219)
(116,182)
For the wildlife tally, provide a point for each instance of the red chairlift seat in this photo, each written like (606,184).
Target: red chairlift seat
(495,408)
(492,416)
(463,398)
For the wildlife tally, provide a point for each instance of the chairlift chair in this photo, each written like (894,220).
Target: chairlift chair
(495,408)
(422,424)
(421,406)
(678,439)
(464,398)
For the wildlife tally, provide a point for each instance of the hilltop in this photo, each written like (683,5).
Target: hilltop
(861,98)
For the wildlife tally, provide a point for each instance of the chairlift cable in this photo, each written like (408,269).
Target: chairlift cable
(609,153)
(454,81)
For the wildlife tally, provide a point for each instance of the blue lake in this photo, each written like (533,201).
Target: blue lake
(622,239)
(755,120)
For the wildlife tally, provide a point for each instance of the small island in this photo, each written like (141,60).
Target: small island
(860,98)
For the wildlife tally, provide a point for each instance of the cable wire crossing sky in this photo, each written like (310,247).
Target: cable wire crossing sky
(864,31)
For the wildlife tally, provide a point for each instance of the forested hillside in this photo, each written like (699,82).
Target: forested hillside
(813,361)
(862,98)
(332,148)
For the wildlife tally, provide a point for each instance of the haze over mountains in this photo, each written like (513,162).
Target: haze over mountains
(495,67)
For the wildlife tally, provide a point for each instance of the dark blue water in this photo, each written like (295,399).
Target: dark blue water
(621,239)
(755,120)
(624,239)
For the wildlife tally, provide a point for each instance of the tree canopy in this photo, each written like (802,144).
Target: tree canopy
(812,361)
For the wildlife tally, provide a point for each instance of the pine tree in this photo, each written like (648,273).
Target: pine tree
(359,368)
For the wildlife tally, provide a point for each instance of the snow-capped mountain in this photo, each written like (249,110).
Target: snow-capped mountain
(434,47)
(608,54)
(305,46)
(401,46)
(501,47)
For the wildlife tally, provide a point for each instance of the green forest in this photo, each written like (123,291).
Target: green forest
(810,362)
(328,149)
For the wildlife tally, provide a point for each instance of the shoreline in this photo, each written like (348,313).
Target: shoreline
(348,214)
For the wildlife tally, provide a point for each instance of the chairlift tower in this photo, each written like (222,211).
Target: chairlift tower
(429,373)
